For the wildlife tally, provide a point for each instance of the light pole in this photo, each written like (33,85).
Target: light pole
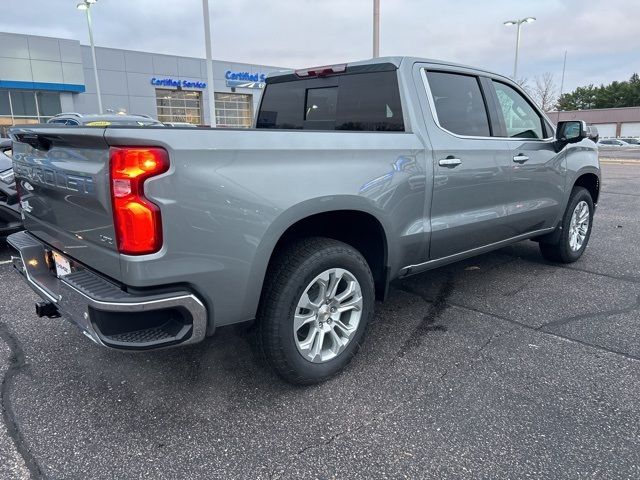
(207,48)
(376,28)
(86,6)
(518,23)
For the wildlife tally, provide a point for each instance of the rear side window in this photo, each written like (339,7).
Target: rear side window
(362,102)
(459,103)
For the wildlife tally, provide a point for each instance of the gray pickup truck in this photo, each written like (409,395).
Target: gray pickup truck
(353,176)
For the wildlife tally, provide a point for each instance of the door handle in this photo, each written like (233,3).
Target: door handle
(520,158)
(449,162)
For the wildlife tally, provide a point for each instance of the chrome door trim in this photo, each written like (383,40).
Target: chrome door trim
(438,262)
(432,106)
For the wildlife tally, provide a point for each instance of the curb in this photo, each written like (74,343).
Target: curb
(619,161)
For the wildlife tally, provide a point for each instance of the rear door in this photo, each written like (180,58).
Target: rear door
(536,192)
(471,167)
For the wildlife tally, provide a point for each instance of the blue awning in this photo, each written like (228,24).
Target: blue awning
(56,87)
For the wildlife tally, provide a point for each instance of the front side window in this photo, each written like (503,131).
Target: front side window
(459,103)
(520,118)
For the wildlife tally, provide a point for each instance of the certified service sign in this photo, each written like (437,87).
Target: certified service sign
(245,79)
(172,82)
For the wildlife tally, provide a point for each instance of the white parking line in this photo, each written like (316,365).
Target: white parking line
(5,262)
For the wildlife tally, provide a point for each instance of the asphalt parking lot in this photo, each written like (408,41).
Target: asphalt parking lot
(503,366)
(619,153)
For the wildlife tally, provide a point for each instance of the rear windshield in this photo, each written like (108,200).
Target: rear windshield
(363,102)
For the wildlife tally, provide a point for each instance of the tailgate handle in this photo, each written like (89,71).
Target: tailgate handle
(36,141)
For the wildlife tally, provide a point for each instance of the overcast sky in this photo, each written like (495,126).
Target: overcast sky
(602,38)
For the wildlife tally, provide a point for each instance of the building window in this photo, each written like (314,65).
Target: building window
(234,110)
(26,106)
(179,106)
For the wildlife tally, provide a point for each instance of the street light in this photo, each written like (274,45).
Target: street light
(376,28)
(207,49)
(519,24)
(86,6)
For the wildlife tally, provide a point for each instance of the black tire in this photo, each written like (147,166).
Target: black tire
(295,266)
(561,251)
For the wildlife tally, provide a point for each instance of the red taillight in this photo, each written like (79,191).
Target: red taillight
(321,71)
(137,220)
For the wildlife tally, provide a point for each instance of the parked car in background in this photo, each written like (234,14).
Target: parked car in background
(104,120)
(355,175)
(612,143)
(634,142)
(592,133)
(10,220)
(180,124)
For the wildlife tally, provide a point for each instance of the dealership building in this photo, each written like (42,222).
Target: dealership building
(43,76)
(610,122)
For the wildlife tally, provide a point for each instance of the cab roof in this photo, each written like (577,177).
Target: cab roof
(377,64)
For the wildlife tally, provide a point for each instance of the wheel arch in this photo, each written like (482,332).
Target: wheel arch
(589,179)
(325,217)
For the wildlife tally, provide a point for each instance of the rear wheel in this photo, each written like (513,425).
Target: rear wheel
(315,307)
(576,229)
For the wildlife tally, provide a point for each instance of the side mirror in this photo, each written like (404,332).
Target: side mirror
(572,131)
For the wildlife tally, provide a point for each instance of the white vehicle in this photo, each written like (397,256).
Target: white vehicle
(612,143)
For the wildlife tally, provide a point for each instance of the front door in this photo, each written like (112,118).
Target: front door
(471,167)
(537,188)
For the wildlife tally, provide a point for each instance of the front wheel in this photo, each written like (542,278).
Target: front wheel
(315,307)
(576,229)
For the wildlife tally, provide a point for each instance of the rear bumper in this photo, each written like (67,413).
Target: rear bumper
(105,313)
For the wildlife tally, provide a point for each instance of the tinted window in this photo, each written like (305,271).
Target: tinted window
(321,104)
(24,104)
(364,101)
(48,103)
(283,106)
(459,103)
(370,102)
(520,118)
(5,109)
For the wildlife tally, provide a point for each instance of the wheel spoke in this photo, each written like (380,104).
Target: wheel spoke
(323,284)
(354,304)
(302,319)
(317,345)
(346,331)
(306,303)
(308,342)
(351,288)
(334,282)
(337,343)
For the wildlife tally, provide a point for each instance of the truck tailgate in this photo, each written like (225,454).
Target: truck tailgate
(62,175)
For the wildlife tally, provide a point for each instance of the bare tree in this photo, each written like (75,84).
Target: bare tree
(524,84)
(545,92)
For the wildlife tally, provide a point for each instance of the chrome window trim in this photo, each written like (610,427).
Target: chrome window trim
(432,106)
